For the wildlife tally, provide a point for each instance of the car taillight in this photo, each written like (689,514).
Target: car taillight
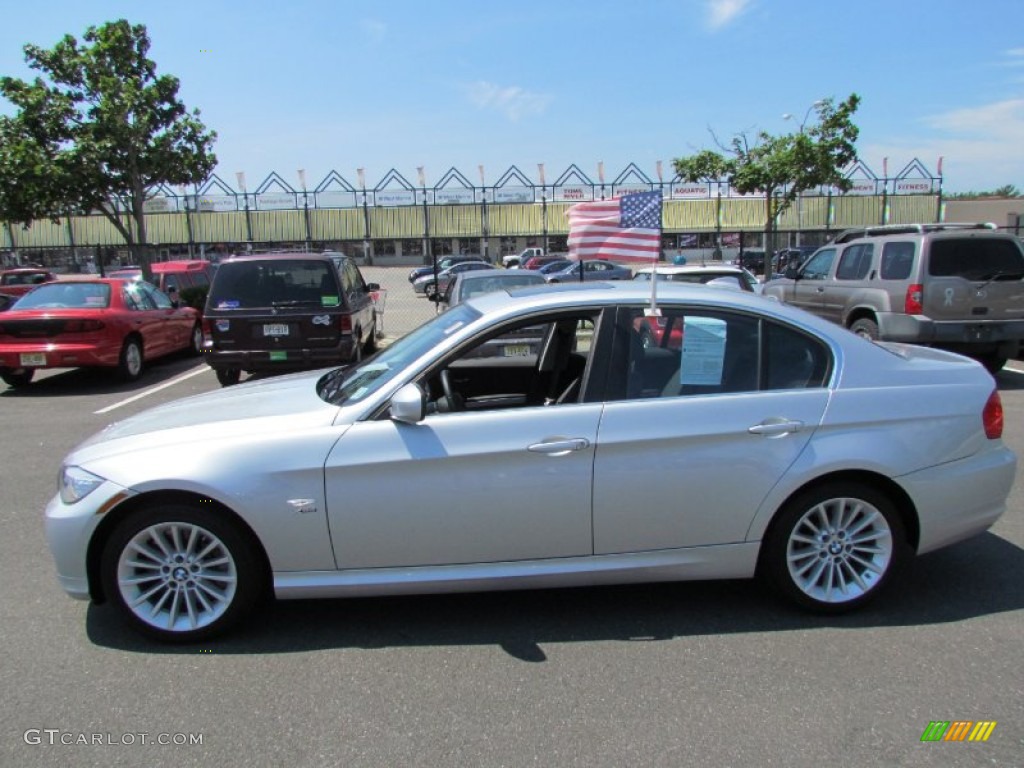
(207,331)
(82,326)
(992,416)
(912,303)
(346,323)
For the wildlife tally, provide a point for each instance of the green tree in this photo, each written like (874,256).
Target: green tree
(784,166)
(99,127)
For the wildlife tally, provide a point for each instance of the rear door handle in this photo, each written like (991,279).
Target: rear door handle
(775,427)
(559,447)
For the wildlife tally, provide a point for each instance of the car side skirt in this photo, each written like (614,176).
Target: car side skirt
(725,561)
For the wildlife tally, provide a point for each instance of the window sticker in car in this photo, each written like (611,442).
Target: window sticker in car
(329,301)
(228,304)
(703,351)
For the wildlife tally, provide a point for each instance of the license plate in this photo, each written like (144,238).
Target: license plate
(275,329)
(32,358)
(516,350)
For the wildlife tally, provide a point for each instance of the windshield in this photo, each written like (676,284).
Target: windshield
(351,384)
(66,295)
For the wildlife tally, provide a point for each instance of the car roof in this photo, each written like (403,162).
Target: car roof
(287,255)
(180,265)
(682,269)
(598,294)
(497,274)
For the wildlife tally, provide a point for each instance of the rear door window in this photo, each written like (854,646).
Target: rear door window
(855,262)
(897,261)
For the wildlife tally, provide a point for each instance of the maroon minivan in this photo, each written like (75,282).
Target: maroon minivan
(274,312)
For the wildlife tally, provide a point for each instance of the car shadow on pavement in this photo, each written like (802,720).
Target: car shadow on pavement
(102,381)
(976,578)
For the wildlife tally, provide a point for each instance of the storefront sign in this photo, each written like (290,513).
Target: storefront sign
(335,198)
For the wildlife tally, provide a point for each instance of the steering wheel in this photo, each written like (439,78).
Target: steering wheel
(452,399)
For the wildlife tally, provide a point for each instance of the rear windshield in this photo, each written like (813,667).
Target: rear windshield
(976,259)
(274,283)
(66,295)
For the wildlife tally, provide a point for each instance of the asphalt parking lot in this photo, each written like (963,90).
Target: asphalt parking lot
(706,674)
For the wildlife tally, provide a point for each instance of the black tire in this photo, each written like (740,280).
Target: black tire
(371,341)
(130,365)
(819,539)
(222,587)
(865,328)
(228,376)
(17,377)
(195,346)
(993,363)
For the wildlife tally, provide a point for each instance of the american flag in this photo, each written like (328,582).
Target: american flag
(626,228)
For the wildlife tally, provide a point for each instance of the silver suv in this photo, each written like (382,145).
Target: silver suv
(956,286)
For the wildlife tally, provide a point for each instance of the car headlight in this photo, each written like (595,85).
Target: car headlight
(75,484)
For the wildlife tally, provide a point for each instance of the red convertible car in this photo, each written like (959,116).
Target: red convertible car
(102,322)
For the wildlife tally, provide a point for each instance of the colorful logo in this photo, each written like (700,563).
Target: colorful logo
(958,730)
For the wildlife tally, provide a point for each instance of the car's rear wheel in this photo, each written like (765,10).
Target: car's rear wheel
(993,362)
(371,340)
(130,365)
(228,376)
(179,574)
(833,547)
(865,328)
(17,377)
(195,346)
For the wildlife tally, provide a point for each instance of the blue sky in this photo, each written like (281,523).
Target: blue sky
(399,84)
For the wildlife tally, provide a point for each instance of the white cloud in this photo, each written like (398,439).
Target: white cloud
(980,146)
(512,101)
(721,13)
(373,30)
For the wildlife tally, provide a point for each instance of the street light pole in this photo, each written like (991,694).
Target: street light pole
(799,197)
(305,205)
(361,174)
(240,175)
(544,206)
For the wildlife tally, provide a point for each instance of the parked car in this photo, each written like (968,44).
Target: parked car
(594,269)
(15,283)
(276,312)
(589,462)
(794,256)
(427,286)
(187,280)
(554,266)
(717,276)
(536,262)
(466,285)
(752,259)
(956,286)
(99,322)
(442,264)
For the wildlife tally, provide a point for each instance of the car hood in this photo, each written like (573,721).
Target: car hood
(258,408)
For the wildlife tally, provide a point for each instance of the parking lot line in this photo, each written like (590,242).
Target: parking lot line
(152,390)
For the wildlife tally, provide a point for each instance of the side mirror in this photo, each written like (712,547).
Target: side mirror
(792,272)
(373,286)
(409,404)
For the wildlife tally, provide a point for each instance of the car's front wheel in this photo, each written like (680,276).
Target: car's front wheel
(179,574)
(833,547)
(17,377)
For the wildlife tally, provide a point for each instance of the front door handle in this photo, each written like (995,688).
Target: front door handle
(559,447)
(775,427)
